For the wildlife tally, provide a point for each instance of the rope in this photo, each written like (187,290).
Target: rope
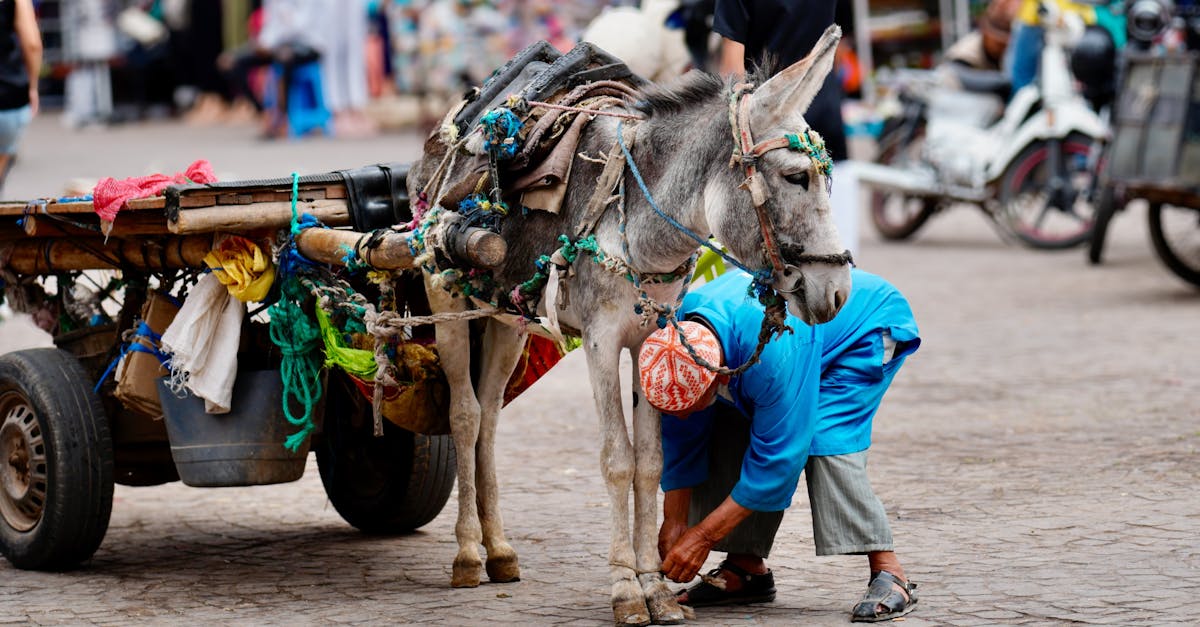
(612,114)
(298,339)
(760,276)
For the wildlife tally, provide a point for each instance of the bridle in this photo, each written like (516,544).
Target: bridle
(747,153)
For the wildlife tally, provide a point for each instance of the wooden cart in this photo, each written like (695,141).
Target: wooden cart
(66,438)
(1155,155)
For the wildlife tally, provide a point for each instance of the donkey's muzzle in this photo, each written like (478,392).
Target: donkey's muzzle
(816,291)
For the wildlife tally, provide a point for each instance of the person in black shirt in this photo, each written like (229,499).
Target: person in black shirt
(20,64)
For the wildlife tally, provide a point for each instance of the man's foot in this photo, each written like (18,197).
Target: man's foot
(887,597)
(730,584)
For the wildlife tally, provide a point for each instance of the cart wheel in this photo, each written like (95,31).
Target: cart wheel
(56,461)
(1175,232)
(390,484)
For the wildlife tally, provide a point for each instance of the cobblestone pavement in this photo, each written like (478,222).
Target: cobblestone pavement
(1038,456)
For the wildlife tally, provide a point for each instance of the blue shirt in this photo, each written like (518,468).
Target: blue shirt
(792,412)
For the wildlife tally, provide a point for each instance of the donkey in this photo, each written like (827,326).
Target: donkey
(681,146)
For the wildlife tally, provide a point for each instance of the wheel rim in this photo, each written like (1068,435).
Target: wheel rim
(1031,212)
(1180,229)
(22,463)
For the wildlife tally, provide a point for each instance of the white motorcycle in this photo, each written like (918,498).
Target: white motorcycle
(1029,165)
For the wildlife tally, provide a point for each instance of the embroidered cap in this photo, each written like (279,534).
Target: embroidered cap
(671,380)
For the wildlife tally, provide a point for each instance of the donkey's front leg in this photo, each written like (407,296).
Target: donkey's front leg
(617,464)
(454,353)
(647,447)
(503,345)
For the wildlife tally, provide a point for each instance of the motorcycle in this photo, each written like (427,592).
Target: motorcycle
(1028,165)
(1160,77)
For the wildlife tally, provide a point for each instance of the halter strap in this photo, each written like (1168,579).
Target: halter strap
(744,152)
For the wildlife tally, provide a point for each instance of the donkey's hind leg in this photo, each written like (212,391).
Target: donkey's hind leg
(454,353)
(503,345)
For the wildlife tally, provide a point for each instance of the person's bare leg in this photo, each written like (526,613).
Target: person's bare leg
(5,164)
(888,562)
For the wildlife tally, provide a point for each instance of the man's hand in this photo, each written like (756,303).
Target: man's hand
(669,534)
(34,99)
(687,555)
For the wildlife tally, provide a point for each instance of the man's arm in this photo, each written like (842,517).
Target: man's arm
(30,38)
(733,58)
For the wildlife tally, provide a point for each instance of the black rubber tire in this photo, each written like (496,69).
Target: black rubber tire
(1016,180)
(381,485)
(915,211)
(1184,263)
(1106,208)
(46,395)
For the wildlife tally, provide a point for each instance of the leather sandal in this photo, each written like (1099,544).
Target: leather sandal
(711,589)
(882,594)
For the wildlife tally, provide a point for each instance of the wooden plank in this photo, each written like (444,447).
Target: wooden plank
(67,208)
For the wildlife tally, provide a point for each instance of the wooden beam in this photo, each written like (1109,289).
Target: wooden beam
(259,215)
(41,256)
(479,247)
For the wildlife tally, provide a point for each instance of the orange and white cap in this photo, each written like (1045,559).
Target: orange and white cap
(671,380)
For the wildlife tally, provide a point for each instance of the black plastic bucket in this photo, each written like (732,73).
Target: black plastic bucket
(241,448)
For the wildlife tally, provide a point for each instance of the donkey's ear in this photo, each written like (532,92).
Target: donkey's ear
(793,89)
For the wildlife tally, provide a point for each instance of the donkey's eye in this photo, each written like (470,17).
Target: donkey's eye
(799,178)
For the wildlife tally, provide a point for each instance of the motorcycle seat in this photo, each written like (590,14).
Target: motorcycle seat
(984,81)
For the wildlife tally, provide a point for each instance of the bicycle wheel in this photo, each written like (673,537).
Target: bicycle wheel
(897,216)
(1027,207)
(1175,232)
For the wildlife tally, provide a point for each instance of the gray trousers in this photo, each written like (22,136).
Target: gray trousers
(848,519)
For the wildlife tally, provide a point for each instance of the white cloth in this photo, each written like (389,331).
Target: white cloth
(203,343)
(294,22)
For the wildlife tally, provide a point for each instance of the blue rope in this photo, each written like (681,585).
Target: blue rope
(143,330)
(762,276)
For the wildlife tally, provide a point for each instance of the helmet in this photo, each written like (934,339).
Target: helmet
(1147,19)
(1094,59)
(671,380)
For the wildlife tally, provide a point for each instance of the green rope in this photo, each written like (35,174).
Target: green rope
(299,342)
(814,146)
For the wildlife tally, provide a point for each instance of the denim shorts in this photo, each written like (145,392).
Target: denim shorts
(12,125)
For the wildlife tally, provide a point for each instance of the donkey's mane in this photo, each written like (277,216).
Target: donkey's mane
(687,91)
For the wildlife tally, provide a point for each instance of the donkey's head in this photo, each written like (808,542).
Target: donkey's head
(791,229)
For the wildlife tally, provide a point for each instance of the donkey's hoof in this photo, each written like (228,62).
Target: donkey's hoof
(664,609)
(629,605)
(502,566)
(465,573)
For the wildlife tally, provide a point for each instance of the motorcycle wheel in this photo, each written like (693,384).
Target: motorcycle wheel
(897,216)
(1175,232)
(1025,208)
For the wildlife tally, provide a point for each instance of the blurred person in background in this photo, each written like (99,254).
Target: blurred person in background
(291,35)
(90,42)
(984,48)
(344,67)
(20,65)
